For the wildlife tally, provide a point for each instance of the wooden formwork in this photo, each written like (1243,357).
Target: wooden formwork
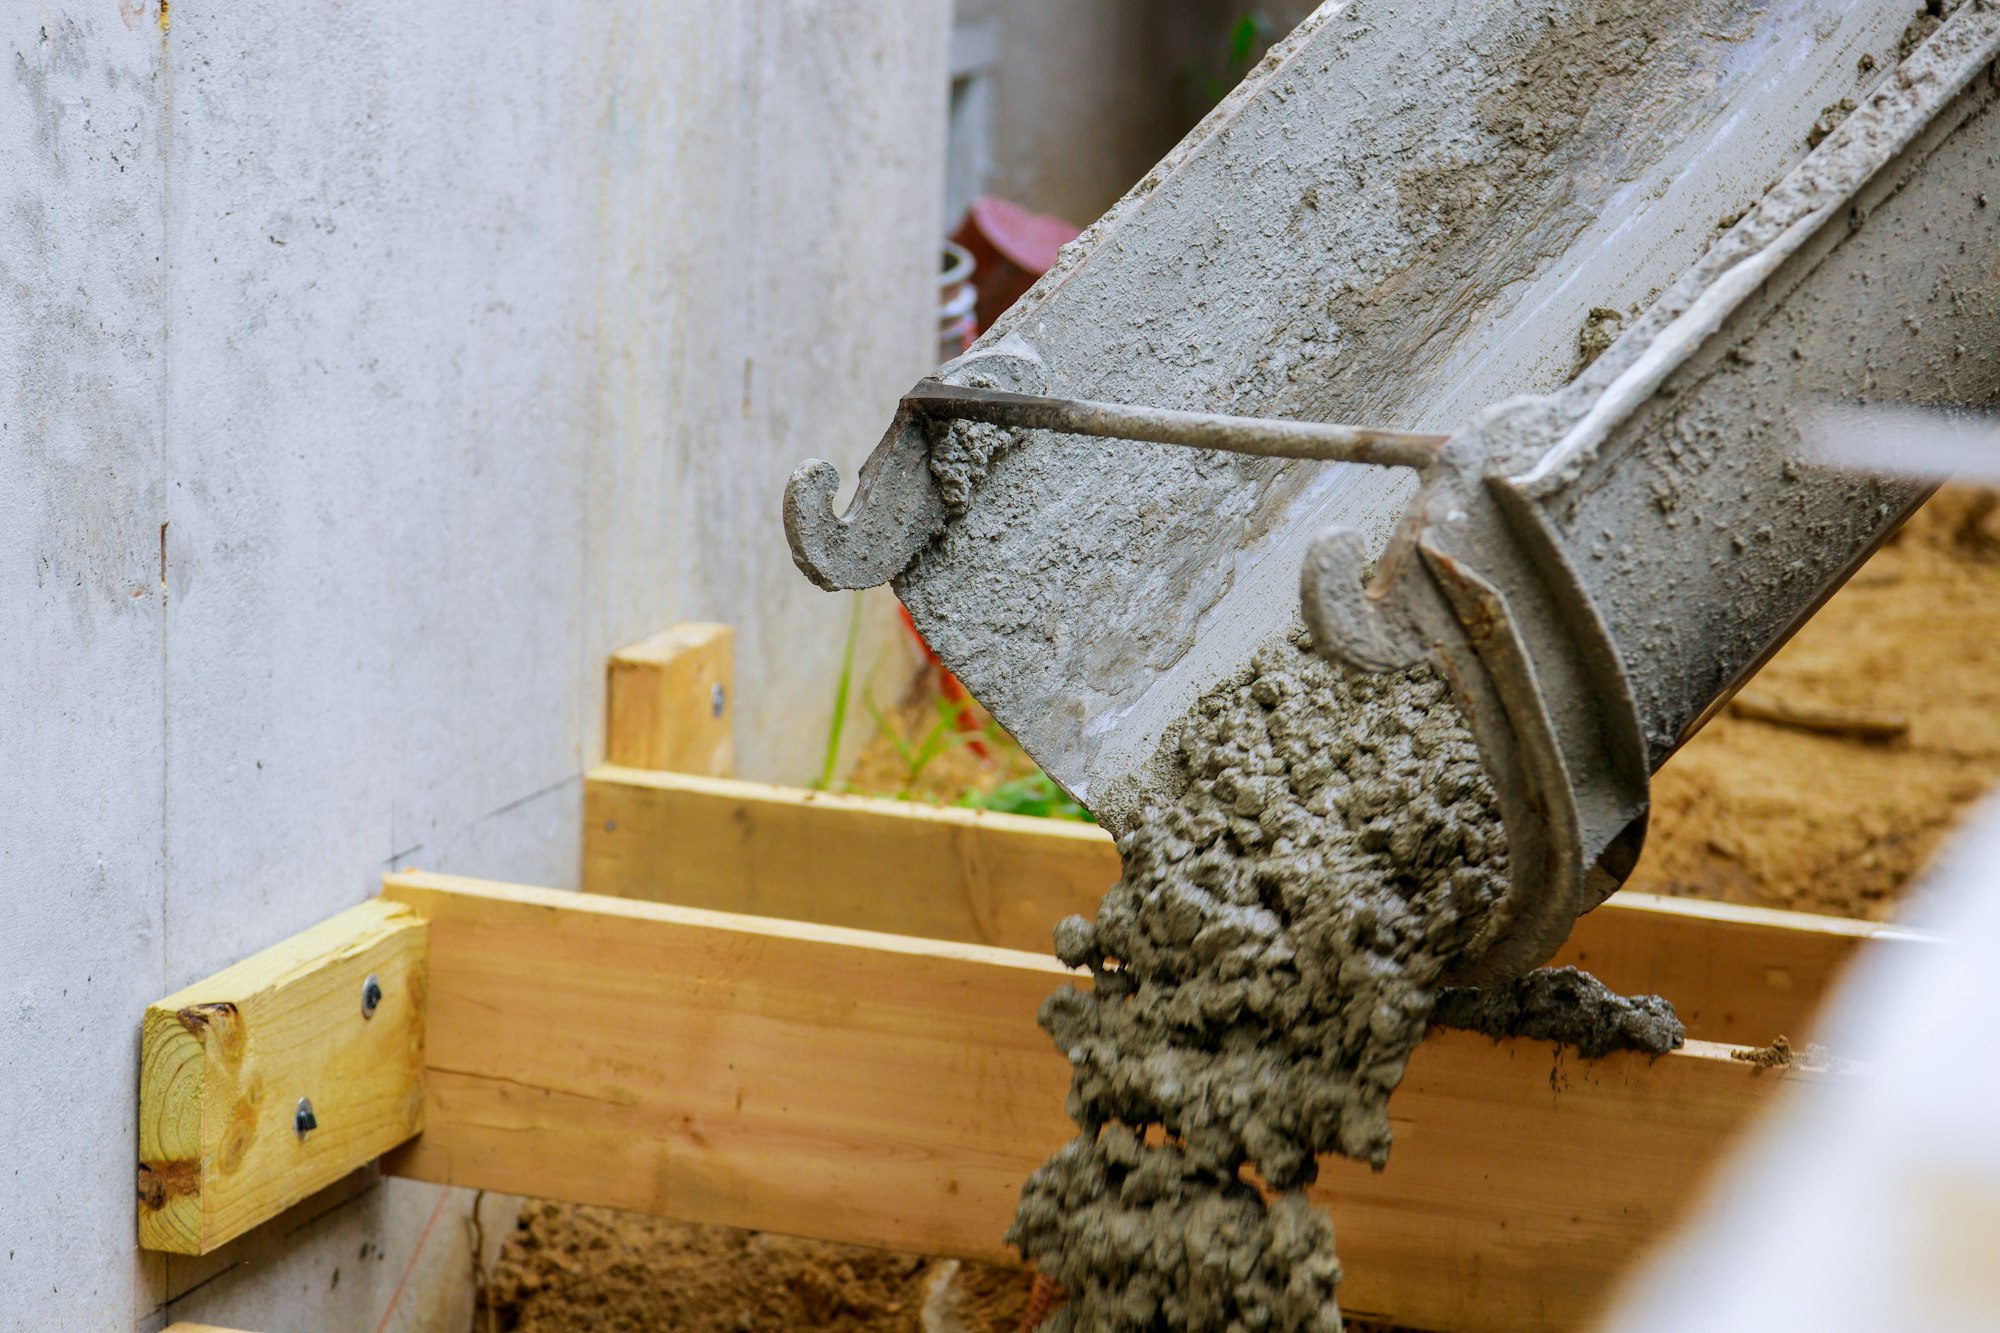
(815,1014)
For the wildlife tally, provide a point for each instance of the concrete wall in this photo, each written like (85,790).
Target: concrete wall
(368,371)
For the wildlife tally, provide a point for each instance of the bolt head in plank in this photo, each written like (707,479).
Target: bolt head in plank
(228,1063)
(669,701)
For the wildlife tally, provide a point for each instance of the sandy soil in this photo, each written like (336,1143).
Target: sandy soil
(1750,811)
(568,1269)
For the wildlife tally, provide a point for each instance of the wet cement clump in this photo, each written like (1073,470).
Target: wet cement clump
(1601,328)
(1778,1055)
(1263,971)
(1930,17)
(962,452)
(1563,1004)
(1149,1240)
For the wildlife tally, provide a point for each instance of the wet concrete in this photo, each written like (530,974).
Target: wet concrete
(1263,971)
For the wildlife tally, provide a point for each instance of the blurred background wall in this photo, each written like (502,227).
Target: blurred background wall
(1062,105)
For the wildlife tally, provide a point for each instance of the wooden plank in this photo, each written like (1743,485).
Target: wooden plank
(891,1091)
(669,701)
(1735,974)
(865,862)
(1525,1181)
(1740,974)
(224,1062)
(742,1070)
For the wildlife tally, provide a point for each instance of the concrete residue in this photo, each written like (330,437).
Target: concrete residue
(962,452)
(1778,1055)
(1829,120)
(1930,16)
(1601,328)
(1263,971)
(1781,1054)
(1566,1005)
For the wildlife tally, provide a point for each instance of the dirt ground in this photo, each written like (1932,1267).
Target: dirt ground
(573,1268)
(1761,812)
(1752,810)
(568,1269)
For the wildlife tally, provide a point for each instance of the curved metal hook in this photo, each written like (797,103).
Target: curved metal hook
(895,512)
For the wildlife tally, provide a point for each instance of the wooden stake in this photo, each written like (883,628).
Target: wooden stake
(226,1064)
(669,701)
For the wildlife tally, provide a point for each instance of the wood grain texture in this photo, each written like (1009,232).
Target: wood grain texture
(865,862)
(742,1070)
(1736,974)
(660,701)
(892,1091)
(225,1061)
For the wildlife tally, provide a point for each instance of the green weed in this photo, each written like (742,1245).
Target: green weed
(839,723)
(1036,794)
(942,735)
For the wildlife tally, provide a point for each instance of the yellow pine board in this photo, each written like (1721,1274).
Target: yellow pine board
(892,1091)
(752,1072)
(860,861)
(224,1062)
(1741,974)
(1735,974)
(660,701)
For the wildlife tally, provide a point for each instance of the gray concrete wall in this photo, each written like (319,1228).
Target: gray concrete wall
(368,371)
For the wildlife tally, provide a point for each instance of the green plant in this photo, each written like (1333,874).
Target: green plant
(1036,794)
(839,722)
(943,734)
(1248,38)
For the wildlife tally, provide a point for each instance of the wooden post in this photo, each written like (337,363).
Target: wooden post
(278,1076)
(669,701)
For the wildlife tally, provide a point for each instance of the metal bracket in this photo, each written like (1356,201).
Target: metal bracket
(897,508)
(1474,581)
